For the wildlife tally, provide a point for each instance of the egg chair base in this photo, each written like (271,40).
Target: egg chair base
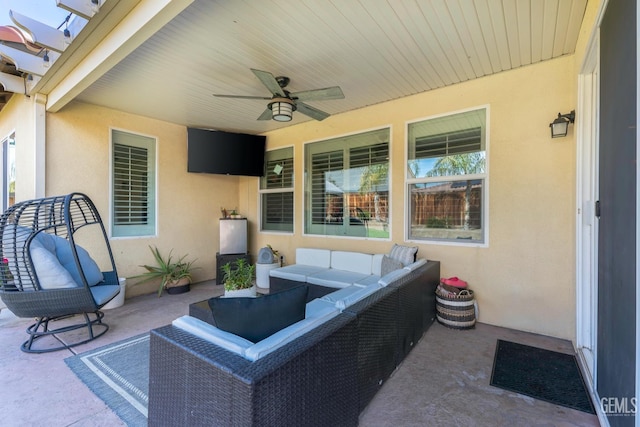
(94,327)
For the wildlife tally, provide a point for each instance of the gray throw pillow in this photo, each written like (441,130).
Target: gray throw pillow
(389,264)
(405,254)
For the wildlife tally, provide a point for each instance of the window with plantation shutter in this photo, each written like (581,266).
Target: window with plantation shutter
(133,185)
(276,191)
(347,185)
(447,178)
(460,142)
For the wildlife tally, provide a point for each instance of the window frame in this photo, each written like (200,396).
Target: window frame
(8,162)
(138,231)
(307,210)
(263,191)
(485,177)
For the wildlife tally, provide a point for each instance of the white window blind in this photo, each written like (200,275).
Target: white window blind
(276,188)
(347,185)
(133,186)
(446,144)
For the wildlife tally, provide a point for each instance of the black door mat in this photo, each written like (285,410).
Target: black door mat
(542,374)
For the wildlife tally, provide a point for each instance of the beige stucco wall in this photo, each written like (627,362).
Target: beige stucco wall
(19,116)
(524,279)
(78,141)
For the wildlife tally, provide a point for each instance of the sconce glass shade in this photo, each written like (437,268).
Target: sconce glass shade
(281,110)
(560,126)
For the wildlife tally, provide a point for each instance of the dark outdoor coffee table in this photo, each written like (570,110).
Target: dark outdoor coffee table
(201,310)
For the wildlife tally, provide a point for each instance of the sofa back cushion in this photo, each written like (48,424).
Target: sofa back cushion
(314,257)
(352,261)
(376,264)
(257,318)
(92,272)
(210,333)
(51,274)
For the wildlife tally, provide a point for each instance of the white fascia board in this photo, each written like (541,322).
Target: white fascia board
(140,24)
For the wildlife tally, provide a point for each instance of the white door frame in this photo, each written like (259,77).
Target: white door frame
(586,222)
(587,167)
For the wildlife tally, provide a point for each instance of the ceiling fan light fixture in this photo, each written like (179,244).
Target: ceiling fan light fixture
(282,109)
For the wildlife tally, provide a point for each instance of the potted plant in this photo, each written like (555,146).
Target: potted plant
(174,275)
(239,279)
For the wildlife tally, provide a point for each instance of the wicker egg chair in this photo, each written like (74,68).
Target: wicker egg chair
(45,275)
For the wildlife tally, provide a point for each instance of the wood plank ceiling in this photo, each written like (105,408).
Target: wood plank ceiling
(375,50)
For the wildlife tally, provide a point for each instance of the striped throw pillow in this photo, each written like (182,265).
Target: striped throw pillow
(405,254)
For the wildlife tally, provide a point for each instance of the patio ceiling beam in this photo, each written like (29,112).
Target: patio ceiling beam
(113,44)
(81,8)
(27,62)
(12,83)
(41,34)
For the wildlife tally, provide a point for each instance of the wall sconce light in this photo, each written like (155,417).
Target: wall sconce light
(560,126)
(282,109)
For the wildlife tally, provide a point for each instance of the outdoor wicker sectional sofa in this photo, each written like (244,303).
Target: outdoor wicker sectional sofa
(324,376)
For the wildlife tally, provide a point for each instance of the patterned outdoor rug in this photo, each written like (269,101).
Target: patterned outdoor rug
(542,374)
(119,375)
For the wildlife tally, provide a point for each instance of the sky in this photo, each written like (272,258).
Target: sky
(44,11)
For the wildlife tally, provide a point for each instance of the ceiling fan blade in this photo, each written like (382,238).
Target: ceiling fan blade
(333,92)
(269,81)
(266,114)
(241,96)
(310,111)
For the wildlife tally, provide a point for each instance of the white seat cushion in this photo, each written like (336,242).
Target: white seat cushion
(351,261)
(350,295)
(335,278)
(210,333)
(315,257)
(369,280)
(288,334)
(336,296)
(416,264)
(389,278)
(104,293)
(317,308)
(296,272)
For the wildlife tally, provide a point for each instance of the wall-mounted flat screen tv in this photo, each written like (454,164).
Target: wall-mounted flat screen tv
(225,153)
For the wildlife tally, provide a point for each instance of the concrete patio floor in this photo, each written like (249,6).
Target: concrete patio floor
(443,382)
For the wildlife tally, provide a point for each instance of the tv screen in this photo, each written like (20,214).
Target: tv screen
(226,153)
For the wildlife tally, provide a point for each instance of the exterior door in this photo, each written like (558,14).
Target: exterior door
(616,335)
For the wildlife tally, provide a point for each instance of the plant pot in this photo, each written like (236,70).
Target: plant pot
(179,287)
(118,301)
(249,292)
